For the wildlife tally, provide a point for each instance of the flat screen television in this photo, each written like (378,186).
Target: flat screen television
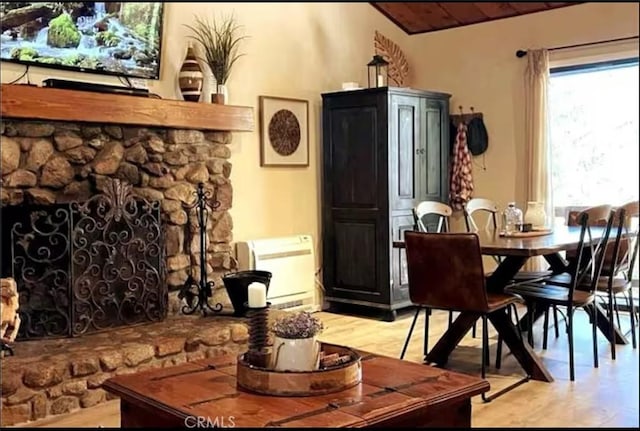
(112,38)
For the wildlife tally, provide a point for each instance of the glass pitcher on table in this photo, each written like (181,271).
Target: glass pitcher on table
(512,219)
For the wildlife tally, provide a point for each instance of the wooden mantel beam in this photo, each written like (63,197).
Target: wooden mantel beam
(38,103)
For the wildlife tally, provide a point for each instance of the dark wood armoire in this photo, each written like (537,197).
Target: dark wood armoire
(384,150)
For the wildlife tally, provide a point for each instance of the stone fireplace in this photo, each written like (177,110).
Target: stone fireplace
(50,163)
(62,150)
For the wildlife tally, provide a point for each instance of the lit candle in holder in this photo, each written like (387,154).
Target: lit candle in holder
(258,313)
(257,295)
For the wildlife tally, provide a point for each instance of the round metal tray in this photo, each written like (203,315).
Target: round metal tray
(306,383)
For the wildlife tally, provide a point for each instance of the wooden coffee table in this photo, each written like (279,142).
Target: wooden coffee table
(204,393)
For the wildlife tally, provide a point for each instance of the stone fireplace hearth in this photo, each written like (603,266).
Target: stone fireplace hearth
(57,376)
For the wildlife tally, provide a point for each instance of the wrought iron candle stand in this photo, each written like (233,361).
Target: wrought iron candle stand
(257,354)
(205,202)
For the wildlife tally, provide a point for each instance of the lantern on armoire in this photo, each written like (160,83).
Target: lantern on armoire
(378,72)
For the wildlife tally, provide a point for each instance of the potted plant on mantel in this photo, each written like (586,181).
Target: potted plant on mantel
(295,346)
(219,41)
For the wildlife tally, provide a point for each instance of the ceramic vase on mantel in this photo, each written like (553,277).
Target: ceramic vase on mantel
(295,354)
(536,215)
(190,77)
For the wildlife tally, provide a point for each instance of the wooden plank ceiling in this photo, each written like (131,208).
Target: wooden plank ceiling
(423,17)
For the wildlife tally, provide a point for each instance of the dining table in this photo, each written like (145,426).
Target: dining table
(513,253)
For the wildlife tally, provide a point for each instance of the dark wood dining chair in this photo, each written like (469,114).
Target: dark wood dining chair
(617,269)
(446,272)
(547,294)
(486,207)
(621,266)
(632,211)
(425,215)
(472,210)
(597,216)
(618,279)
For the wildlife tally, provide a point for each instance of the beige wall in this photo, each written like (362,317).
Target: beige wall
(296,50)
(477,64)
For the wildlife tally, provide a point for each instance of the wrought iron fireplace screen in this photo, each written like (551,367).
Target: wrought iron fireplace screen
(86,266)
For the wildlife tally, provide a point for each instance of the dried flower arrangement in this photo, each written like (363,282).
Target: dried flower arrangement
(297,325)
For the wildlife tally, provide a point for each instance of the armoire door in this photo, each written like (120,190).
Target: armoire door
(434,179)
(355,214)
(399,277)
(405,148)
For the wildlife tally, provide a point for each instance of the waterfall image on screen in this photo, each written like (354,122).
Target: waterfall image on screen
(116,38)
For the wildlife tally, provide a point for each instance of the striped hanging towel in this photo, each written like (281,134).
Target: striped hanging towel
(461,185)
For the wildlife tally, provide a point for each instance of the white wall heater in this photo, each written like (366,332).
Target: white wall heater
(291,261)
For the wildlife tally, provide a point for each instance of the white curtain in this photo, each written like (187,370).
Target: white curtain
(536,143)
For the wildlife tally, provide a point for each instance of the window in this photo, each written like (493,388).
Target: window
(593,135)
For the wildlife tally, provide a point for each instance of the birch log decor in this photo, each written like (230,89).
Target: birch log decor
(398,65)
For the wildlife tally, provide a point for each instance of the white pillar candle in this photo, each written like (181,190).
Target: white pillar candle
(257,295)
(380,81)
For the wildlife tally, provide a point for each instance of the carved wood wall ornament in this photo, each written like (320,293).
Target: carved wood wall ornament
(398,64)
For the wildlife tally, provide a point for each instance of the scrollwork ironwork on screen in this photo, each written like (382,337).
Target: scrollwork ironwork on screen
(88,266)
(40,256)
(196,293)
(117,261)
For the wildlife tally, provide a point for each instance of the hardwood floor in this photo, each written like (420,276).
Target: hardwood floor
(602,397)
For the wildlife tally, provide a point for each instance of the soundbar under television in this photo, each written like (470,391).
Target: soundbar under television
(112,38)
(96,88)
